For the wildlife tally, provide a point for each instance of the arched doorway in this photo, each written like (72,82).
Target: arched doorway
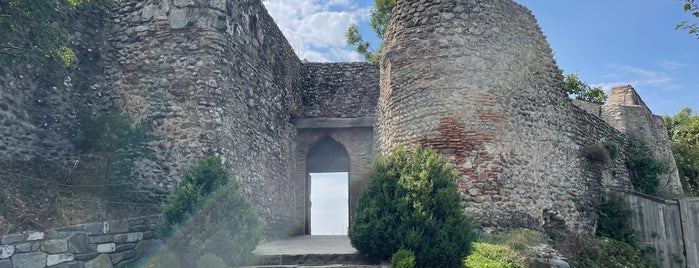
(327,188)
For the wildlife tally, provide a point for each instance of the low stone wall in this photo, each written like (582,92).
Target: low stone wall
(99,244)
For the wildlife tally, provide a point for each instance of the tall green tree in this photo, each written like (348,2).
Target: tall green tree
(35,29)
(582,91)
(691,7)
(380,17)
(683,130)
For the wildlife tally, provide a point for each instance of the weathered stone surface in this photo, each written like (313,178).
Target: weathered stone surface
(102,261)
(512,152)
(101,239)
(13,238)
(6,251)
(86,256)
(118,226)
(7,263)
(33,236)
(73,264)
(106,248)
(53,259)
(79,243)
(128,238)
(54,246)
(25,247)
(29,260)
(96,228)
(125,247)
(122,256)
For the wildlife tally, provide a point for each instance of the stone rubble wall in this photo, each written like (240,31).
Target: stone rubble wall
(340,90)
(476,80)
(212,78)
(41,104)
(99,244)
(627,112)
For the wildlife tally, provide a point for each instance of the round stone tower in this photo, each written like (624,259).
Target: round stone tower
(476,81)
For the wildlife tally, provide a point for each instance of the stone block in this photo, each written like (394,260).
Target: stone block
(33,236)
(106,248)
(7,263)
(128,238)
(125,247)
(6,251)
(73,264)
(96,228)
(29,260)
(12,238)
(148,235)
(180,17)
(122,256)
(79,243)
(86,256)
(138,228)
(54,246)
(101,239)
(218,4)
(54,259)
(102,261)
(183,3)
(24,248)
(118,226)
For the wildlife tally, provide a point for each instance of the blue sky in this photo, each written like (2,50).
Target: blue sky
(608,42)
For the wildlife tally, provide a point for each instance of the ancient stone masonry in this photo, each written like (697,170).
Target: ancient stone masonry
(99,244)
(476,80)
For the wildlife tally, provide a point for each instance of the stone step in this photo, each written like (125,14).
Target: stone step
(320,266)
(311,251)
(317,259)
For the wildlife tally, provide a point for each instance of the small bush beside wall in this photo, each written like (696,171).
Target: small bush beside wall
(208,220)
(411,201)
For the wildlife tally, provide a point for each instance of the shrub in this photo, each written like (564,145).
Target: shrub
(597,153)
(519,239)
(411,201)
(610,253)
(208,214)
(643,167)
(612,148)
(487,255)
(613,220)
(197,183)
(211,261)
(403,258)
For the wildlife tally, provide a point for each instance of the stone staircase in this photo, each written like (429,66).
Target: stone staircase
(312,252)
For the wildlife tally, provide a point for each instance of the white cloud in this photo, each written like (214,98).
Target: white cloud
(638,78)
(671,65)
(316,28)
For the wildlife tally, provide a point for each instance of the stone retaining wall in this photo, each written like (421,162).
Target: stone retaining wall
(99,244)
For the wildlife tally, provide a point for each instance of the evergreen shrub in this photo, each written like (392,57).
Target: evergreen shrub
(643,167)
(403,258)
(411,201)
(208,214)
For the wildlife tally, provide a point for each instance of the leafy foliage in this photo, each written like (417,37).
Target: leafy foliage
(411,201)
(34,29)
(692,28)
(208,214)
(609,253)
(643,167)
(614,220)
(496,256)
(381,14)
(403,258)
(582,91)
(612,148)
(683,130)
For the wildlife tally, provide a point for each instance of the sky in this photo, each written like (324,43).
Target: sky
(609,43)
(329,203)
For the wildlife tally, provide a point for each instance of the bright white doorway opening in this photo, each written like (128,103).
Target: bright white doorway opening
(329,203)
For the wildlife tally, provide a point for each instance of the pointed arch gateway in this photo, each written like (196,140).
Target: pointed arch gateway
(327,169)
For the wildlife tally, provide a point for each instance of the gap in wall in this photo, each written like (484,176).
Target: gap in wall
(329,203)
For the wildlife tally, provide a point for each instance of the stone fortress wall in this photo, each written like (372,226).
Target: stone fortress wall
(475,80)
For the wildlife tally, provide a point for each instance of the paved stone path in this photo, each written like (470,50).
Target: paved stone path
(309,244)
